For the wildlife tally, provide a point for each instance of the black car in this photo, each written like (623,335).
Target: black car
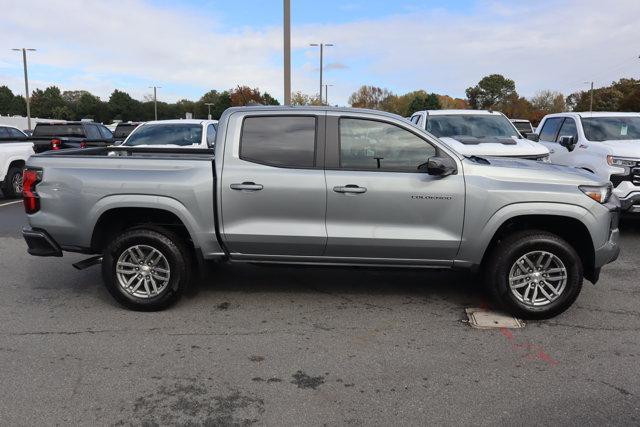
(59,135)
(123,129)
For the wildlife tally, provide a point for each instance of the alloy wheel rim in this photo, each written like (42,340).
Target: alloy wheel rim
(143,271)
(16,183)
(538,278)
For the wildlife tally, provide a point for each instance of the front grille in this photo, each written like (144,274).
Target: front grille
(633,176)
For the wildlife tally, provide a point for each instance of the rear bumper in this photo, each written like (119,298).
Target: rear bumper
(40,243)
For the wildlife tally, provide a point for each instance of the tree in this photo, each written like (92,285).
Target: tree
(449,103)
(220,100)
(490,91)
(299,98)
(44,102)
(244,95)
(6,100)
(369,97)
(122,107)
(423,101)
(548,102)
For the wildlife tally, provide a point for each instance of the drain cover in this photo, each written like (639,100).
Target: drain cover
(480,318)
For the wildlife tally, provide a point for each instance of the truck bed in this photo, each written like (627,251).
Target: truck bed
(75,195)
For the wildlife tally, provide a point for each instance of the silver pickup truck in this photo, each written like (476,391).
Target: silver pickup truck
(321,186)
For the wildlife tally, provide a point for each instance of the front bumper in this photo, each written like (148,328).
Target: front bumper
(610,251)
(629,196)
(40,243)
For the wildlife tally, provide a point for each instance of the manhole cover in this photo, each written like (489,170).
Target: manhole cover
(486,319)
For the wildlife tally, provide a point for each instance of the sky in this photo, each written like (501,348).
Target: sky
(192,46)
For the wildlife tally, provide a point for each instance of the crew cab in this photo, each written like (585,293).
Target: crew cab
(59,135)
(321,186)
(479,133)
(188,133)
(14,152)
(604,143)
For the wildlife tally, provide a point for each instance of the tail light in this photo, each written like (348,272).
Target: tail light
(56,144)
(30,198)
(83,144)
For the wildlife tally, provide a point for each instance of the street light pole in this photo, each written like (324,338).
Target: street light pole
(155,100)
(287,51)
(322,46)
(209,104)
(326,93)
(26,83)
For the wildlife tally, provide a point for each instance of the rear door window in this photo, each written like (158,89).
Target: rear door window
(106,133)
(550,129)
(60,130)
(15,133)
(282,141)
(182,134)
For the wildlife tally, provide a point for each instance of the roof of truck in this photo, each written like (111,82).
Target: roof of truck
(450,112)
(285,108)
(594,114)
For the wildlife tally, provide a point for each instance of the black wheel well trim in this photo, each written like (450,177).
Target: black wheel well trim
(116,220)
(574,231)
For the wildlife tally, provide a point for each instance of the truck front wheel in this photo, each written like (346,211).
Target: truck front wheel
(534,274)
(146,269)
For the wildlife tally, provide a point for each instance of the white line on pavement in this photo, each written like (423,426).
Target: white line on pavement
(10,203)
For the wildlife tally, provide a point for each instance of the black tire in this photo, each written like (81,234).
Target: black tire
(505,255)
(8,189)
(176,256)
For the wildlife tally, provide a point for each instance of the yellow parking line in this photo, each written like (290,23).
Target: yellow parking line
(10,203)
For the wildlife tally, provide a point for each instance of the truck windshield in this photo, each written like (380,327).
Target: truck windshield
(166,134)
(611,128)
(60,130)
(474,125)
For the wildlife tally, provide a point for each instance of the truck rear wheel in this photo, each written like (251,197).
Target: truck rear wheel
(146,269)
(12,185)
(534,274)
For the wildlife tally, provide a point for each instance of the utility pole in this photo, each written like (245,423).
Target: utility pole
(590,98)
(326,93)
(155,100)
(287,52)
(322,46)
(26,82)
(209,104)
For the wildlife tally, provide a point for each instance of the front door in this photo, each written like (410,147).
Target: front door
(379,205)
(552,130)
(273,187)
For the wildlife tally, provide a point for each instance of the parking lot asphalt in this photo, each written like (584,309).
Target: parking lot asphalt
(308,346)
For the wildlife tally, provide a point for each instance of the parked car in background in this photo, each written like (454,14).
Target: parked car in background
(123,130)
(15,149)
(66,134)
(479,133)
(188,133)
(524,126)
(606,144)
(323,186)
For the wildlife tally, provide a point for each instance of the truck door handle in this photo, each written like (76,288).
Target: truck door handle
(246,186)
(353,189)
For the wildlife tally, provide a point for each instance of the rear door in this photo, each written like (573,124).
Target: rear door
(273,191)
(379,204)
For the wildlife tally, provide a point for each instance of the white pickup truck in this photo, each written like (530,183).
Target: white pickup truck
(14,152)
(479,133)
(188,133)
(605,143)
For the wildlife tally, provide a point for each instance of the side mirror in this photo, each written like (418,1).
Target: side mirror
(439,166)
(532,137)
(568,142)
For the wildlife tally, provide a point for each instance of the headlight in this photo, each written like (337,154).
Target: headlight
(599,193)
(619,161)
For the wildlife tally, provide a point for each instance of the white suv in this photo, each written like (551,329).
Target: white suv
(479,133)
(187,133)
(607,144)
